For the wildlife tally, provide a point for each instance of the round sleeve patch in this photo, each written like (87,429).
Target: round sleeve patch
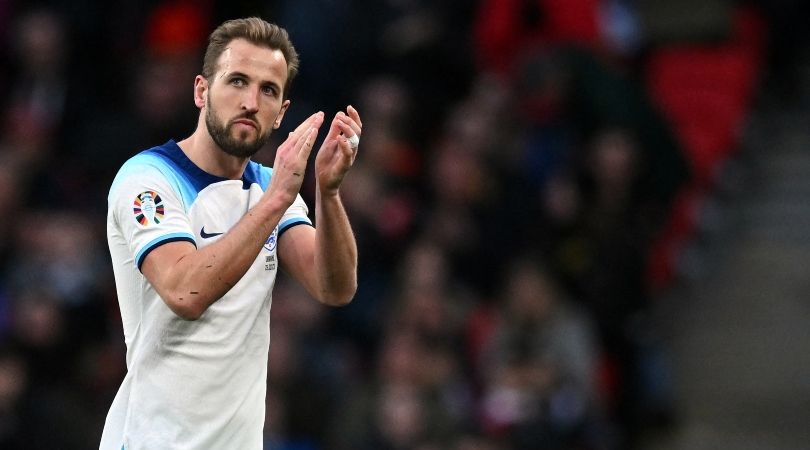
(270,243)
(148,208)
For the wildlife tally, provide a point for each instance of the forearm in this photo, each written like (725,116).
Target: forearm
(199,278)
(335,251)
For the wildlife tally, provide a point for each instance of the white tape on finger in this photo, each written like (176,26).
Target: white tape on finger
(354,140)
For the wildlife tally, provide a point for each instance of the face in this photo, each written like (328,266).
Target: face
(243,100)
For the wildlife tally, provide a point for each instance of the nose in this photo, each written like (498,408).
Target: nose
(250,100)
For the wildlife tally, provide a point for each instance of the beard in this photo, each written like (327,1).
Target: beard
(223,135)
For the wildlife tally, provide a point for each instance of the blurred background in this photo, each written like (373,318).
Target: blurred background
(583,224)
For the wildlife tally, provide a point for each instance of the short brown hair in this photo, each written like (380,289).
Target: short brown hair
(256,31)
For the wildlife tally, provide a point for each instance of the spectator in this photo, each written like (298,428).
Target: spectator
(541,366)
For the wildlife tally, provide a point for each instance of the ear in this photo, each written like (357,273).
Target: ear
(200,91)
(280,115)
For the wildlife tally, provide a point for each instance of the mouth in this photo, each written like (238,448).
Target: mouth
(246,122)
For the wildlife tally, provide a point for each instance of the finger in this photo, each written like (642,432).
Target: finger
(314,120)
(304,145)
(346,129)
(356,129)
(354,115)
(334,128)
(347,152)
(352,152)
(346,149)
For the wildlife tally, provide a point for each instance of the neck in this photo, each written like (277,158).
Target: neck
(206,154)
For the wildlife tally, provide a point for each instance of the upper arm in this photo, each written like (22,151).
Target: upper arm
(158,264)
(296,245)
(296,252)
(150,214)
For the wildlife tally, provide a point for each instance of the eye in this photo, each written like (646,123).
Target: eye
(238,82)
(269,90)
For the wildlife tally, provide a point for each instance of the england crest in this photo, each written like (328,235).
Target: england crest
(270,243)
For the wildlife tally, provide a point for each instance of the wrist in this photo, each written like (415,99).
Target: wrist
(276,202)
(326,192)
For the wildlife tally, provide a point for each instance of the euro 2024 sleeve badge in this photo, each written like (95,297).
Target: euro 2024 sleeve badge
(148,208)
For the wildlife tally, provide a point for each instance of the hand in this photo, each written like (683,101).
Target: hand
(337,155)
(291,159)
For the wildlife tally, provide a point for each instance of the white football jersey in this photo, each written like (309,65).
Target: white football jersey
(189,384)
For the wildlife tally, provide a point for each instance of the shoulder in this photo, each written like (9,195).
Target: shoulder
(154,167)
(150,162)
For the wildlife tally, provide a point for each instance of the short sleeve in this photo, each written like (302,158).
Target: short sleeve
(296,214)
(148,211)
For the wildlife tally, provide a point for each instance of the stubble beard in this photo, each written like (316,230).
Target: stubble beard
(223,135)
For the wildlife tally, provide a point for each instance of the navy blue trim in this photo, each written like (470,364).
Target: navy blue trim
(292,224)
(157,244)
(252,175)
(199,178)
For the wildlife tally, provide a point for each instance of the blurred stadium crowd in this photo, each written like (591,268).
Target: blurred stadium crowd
(530,172)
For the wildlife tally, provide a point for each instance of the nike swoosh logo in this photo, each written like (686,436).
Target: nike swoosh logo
(205,235)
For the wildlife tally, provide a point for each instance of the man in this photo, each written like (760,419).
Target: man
(197,232)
